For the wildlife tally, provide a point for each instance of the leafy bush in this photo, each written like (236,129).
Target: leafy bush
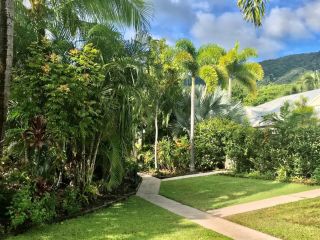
(282,174)
(146,158)
(290,148)
(131,172)
(241,147)
(173,154)
(70,202)
(210,142)
(316,175)
(29,209)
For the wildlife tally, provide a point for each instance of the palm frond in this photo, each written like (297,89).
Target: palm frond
(207,105)
(253,10)
(210,54)
(210,76)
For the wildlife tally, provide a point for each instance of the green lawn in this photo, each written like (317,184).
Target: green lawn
(133,219)
(299,220)
(218,191)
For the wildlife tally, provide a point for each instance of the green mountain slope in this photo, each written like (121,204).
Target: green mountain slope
(290,68)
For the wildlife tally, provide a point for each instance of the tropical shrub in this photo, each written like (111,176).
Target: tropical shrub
(210,142)
(28,208)
(290,148)
(70,203)
(242,147)
(316,175)
(174,154)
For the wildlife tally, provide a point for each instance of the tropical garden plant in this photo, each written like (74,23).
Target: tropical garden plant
(208,105)
(238,69)
(197,64)
(165,84)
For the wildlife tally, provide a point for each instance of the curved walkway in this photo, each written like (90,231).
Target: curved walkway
(149,190)
(266,203)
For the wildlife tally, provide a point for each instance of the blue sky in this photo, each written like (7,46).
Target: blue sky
(290,26)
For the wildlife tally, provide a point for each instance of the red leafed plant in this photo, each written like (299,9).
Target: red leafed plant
(36,136)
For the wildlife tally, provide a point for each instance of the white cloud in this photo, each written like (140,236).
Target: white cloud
(201,5)
(230,27)
(218,21)
(284,22)
(310,14)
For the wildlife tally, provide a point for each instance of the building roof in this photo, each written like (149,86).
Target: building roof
(255,114)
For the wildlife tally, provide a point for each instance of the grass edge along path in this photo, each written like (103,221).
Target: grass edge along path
(218,191)
(291,221)
(130,220)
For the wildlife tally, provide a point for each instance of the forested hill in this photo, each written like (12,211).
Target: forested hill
(289,68)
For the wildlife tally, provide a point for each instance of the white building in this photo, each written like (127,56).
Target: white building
(255,114)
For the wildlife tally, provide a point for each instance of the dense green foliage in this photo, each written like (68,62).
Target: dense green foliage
(210,142)
(66,154)
(217,191)
(286,221)
(74,109)
(266,93)
(288,149)
(172,155)
(213,113)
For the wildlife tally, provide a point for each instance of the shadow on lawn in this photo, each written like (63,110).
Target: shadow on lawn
(214,192)
(134,219)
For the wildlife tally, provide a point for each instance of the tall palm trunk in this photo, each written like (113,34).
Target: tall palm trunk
(156,138)
(6,55)
(230,88)
(192,165)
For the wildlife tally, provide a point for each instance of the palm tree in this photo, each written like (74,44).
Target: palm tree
(208,105)
(164,83)
(196,64)
(73,15)
(246,73)
(6,53)
(253,10)
(311,81)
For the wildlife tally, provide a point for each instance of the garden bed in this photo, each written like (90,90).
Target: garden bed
(122,193)
(132,219)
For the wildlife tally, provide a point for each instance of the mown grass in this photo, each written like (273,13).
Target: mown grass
(217,191)
(130,220)
(299,220)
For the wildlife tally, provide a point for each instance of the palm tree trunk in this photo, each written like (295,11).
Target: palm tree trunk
(6,56)
(156,139)
(192,165)
(230,88)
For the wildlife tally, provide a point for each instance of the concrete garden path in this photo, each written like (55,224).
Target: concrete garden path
(266,203)
(149,190)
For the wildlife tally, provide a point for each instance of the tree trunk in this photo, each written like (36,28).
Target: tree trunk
(6,56)
(192,165)
(156,139)
(230,88)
